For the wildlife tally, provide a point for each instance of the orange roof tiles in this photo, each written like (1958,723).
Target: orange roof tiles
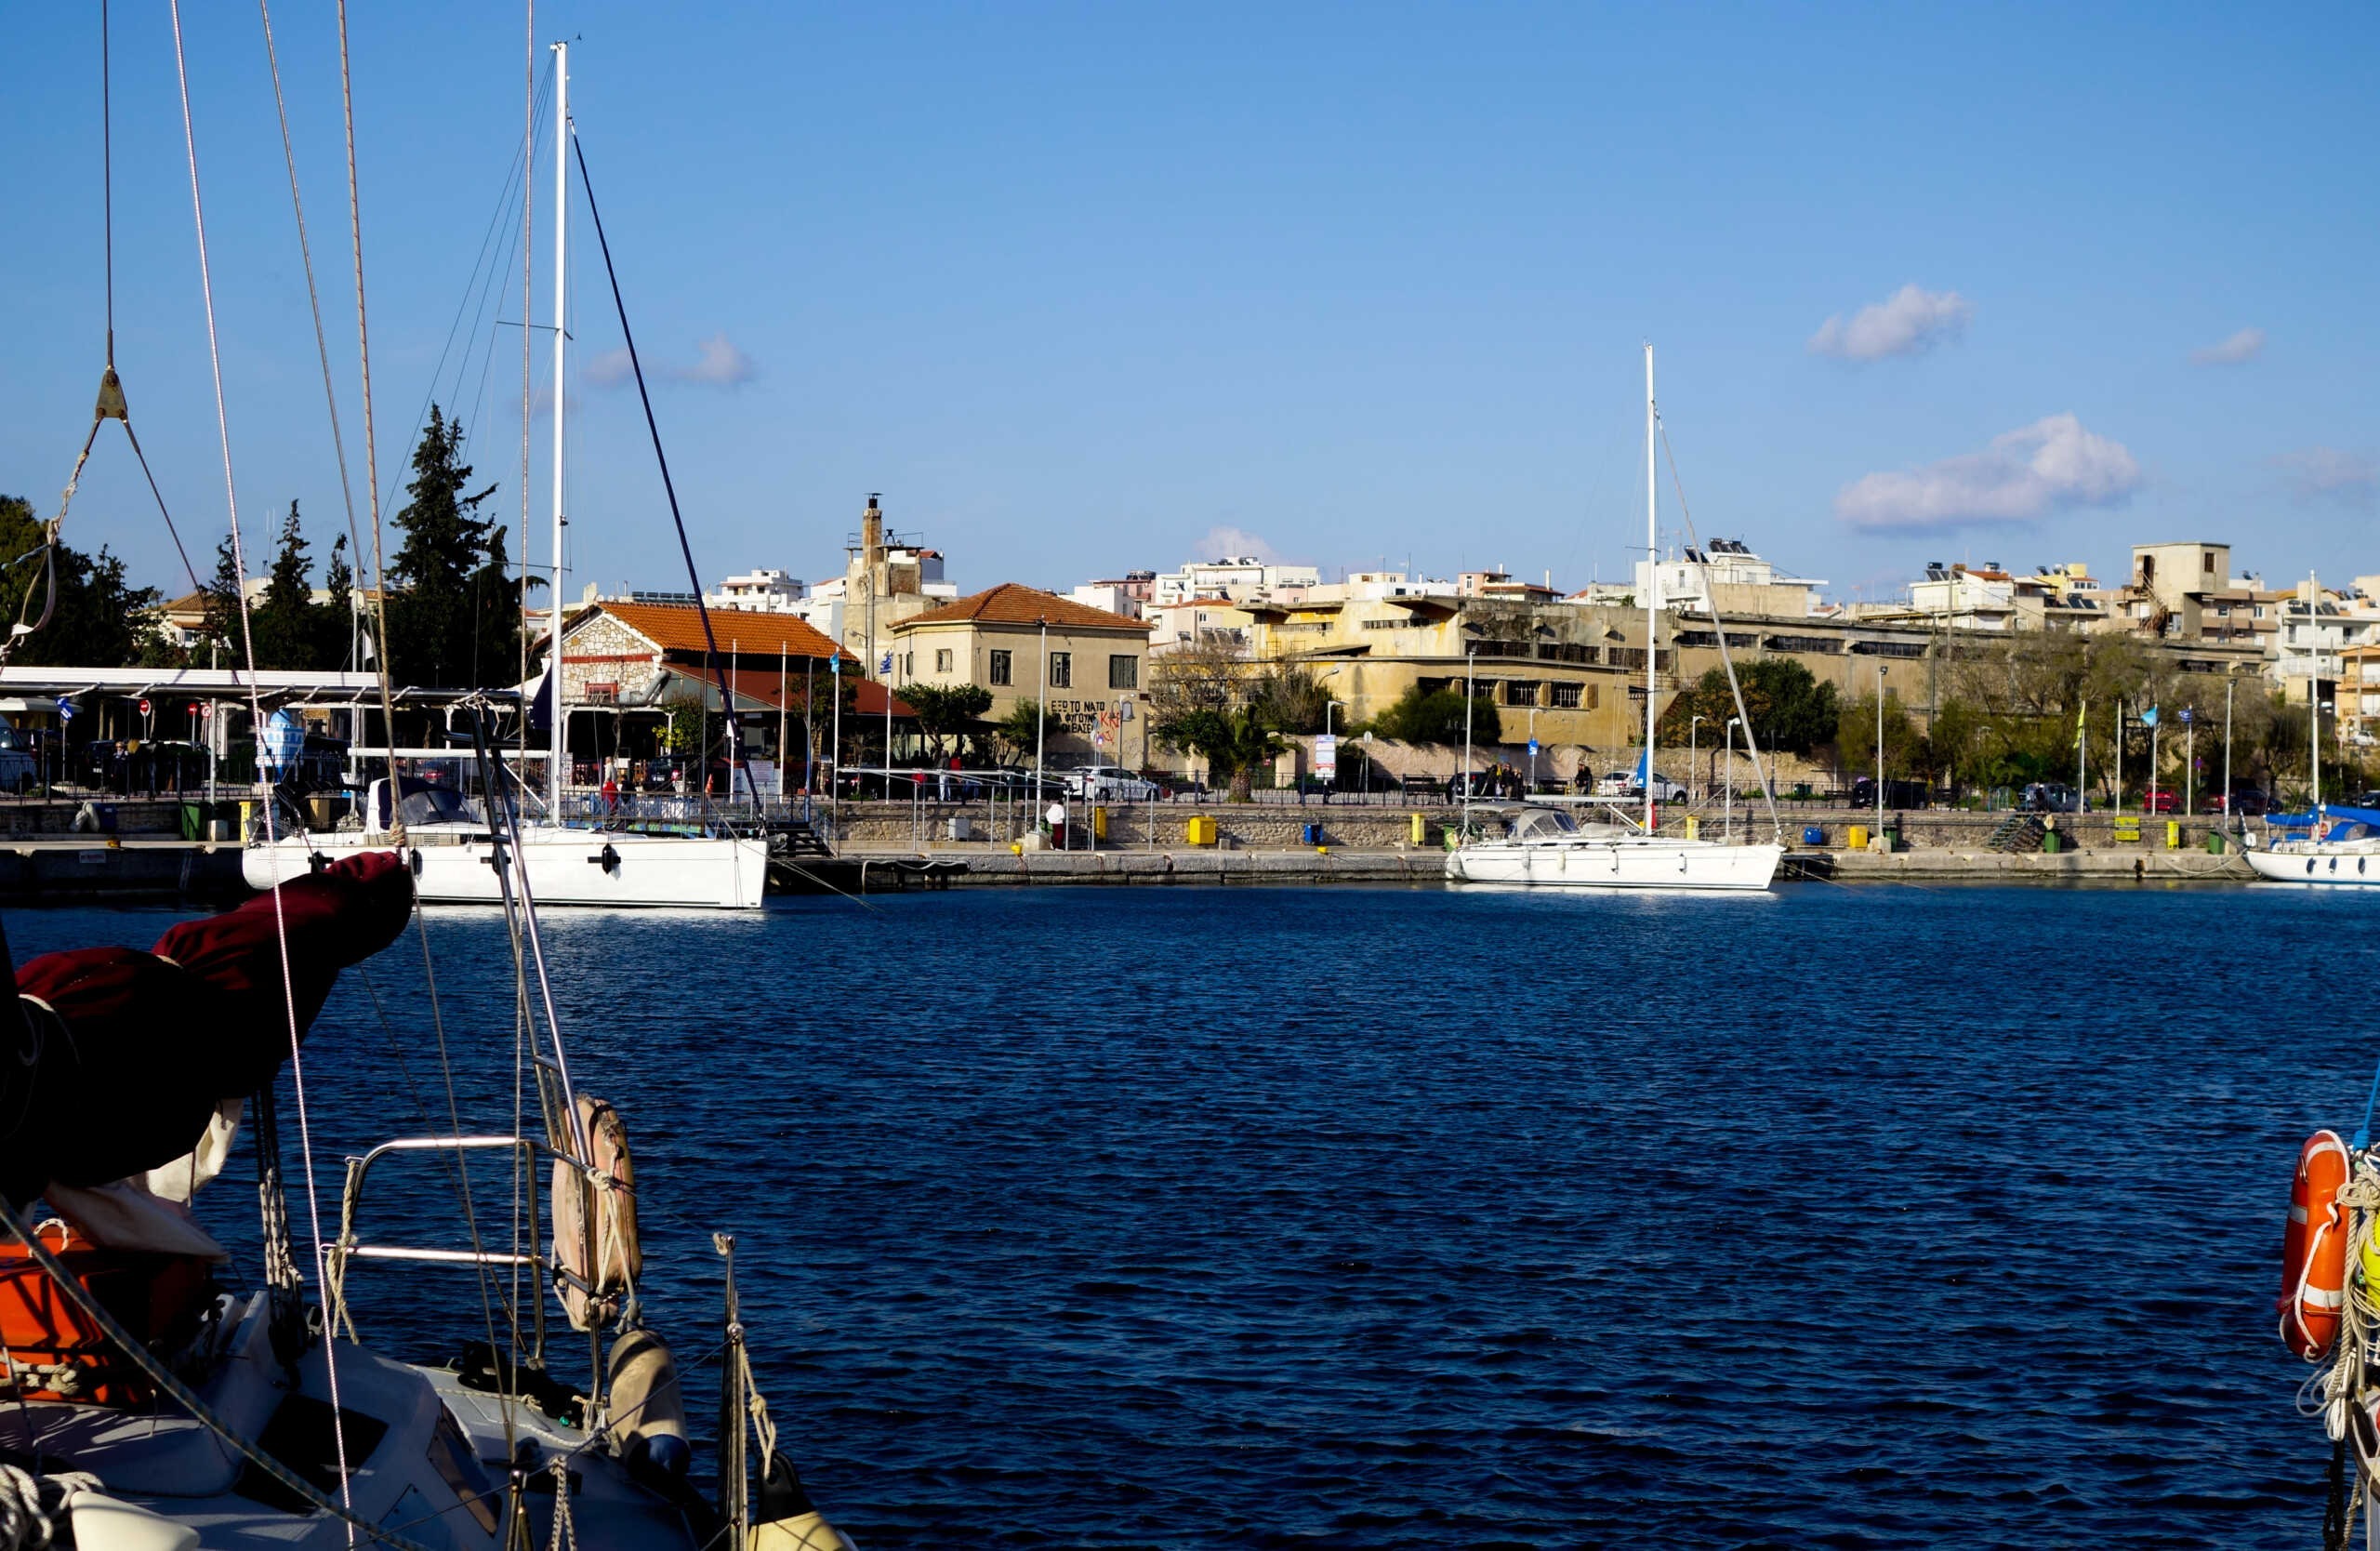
(744,633)
(1015,604)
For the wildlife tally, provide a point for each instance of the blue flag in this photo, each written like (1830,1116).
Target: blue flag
(2148,717)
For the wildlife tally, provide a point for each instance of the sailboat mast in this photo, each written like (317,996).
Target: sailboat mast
(1652,586)
(562,296)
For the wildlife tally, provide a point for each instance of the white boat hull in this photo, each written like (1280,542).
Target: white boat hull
(1622,862)
(565,867)
(2333,866)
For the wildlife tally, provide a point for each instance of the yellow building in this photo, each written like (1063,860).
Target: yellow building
(1087,667)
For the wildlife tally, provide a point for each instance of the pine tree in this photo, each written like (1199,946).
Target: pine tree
(283,618)
(221,623)
(334,619)
(436,634)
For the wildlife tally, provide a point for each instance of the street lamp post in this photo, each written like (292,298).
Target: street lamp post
(1470,663)
(1727,785)
(1041,717)
(1693,758)
(2230,804)
(1881,671)
(1532,749)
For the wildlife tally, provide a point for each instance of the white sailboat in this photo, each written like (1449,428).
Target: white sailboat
(1544,846)
(452,853)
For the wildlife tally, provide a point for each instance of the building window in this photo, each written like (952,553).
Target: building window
(1566,696)
(602,695)
(1520,692)
(942,660)
(2210,564)
(1123,672)
(1001,672)
(908,665)
(1061,670)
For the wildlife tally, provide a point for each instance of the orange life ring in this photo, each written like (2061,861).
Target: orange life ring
(2313,1261)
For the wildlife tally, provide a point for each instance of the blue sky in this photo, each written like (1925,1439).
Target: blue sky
(1075,286)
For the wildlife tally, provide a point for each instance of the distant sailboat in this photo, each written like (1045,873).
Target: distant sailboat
(1546,846)
(454,850)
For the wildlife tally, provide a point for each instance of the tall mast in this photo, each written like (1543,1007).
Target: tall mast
(562,296)
(1652,588)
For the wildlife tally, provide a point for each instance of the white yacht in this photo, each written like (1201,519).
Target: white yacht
(2335,846)
(1547,846)
(1544,846)
(448,844)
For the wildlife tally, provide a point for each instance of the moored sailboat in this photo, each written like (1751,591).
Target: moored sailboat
(1547,848)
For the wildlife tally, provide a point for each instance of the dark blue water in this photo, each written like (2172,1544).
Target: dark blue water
(1385,1218)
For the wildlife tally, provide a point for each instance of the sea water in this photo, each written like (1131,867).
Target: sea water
(1346,1218)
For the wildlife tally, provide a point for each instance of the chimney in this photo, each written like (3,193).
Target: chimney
(871,530)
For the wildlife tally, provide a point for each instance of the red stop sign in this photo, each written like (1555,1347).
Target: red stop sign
(144,707)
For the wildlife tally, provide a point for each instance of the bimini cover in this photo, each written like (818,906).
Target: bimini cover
(130,1055)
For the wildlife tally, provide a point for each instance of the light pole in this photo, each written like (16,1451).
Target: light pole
(2190,758)
(1693,758)
(1532,749)
(1041,716)
(1881,671)
(1469,662)
(1727,788)
(2231,804)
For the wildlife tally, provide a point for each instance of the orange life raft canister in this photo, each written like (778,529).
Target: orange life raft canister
(2313,1260)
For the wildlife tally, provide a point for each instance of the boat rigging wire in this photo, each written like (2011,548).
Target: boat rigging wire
(110,403)
(693,577)
(1711,601)
(256,706)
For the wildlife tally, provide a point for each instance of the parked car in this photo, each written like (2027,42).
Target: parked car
(2165,800)
(19,771)
(1109,783)
(1623,783)
(1898,793)
(2050,797)
(2247,801)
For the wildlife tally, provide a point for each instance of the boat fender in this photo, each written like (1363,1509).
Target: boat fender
(647,1407)
(2313,1269)
(784,1518)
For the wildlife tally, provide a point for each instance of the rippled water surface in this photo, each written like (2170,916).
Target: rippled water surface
(1343,1217)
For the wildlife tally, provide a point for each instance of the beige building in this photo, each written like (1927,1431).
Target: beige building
(1087,667)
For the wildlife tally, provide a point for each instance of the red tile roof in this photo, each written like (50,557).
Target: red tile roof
(759,685)
(1015,604)
(746,632)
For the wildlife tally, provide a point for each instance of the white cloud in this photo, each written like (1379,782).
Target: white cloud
(608,370)
(2330,474)
(1230,543)
(717,364)
(1905,323)
(2246,345)
(2023,476)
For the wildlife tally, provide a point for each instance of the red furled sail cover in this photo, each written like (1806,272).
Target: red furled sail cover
(138,1048)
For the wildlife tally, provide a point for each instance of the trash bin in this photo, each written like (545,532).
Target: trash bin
(2214,842)
(1814,834)
(962,828)
(2053,842)
(193,821)
(1421,831)
(1202,831)
(1856,839)
(1890,839)
(1098,822)
(2173,834)
(1693,827)
(1312,834)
